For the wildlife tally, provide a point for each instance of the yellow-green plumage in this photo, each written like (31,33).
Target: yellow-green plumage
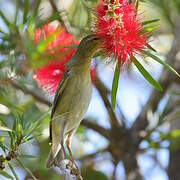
(72,98)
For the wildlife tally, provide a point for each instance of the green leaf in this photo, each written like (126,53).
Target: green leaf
(161,62)
(2,64)
(3,128)
(3,147)
(28,131)
(148,29)
(174,93)
(33,137)
(27,170)
(16,12)
(90,174)
(150,21)
(26,156)
(36,8)
(26,8)
(1,139)
(54,16)
(174,134)
(137,4)
(115,86)
(5,174)
(151,48)
(30,48)
(13,171)
(146,75)
(19,133)
(6,21)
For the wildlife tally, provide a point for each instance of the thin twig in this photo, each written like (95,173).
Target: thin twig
(102,131)
(25,90)
(12,154)
(104,95)
(92,155)
(53,5)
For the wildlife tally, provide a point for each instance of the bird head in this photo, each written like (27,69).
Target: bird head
(89,46)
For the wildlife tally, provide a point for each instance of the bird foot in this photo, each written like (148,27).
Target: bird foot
(68,168)
(74,170)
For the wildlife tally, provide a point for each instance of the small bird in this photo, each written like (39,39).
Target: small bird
(71,100)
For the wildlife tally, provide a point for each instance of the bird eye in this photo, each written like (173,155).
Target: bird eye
(96,38)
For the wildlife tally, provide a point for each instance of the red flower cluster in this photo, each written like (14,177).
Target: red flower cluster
(50,75)
(120,26)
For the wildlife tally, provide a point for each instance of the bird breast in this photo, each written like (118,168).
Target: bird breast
(75,99)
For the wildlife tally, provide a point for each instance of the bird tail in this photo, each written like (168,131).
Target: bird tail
(55,160)
(57,152)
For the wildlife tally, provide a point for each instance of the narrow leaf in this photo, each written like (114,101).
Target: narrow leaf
(115,86)
(151,48)
(26,8)
(150,21)
(13,171)
(5,174)
(19,133)
(16,12)
(2,128)
(6,21)
(37,8)
(27,170)
(27,156)
(161,62)
(137,4)
(146,75)
(3,147)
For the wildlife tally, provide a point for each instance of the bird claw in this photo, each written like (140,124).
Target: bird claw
(70,169)
(74,170)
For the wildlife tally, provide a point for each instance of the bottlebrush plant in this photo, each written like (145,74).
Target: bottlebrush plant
(29,43)
(125,35)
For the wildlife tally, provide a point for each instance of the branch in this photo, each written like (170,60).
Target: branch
(102,131)
(62,17)
(92,155)
(56,11)
(12,154)
(166,79)
(104,95)
(25,90)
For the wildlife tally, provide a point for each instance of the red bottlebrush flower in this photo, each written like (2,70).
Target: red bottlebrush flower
(117,11)
(60,42)
(121,29)
(112,1)
(105,7)
(49,76)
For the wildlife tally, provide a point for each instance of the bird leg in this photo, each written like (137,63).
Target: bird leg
(68,146)
(63,150)
(74,171)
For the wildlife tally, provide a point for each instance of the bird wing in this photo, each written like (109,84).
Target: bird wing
(59,91)
(58,95)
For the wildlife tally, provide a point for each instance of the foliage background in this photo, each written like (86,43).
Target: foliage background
(144,143)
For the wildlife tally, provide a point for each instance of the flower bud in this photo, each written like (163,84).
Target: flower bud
(105,7)
(117,11)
